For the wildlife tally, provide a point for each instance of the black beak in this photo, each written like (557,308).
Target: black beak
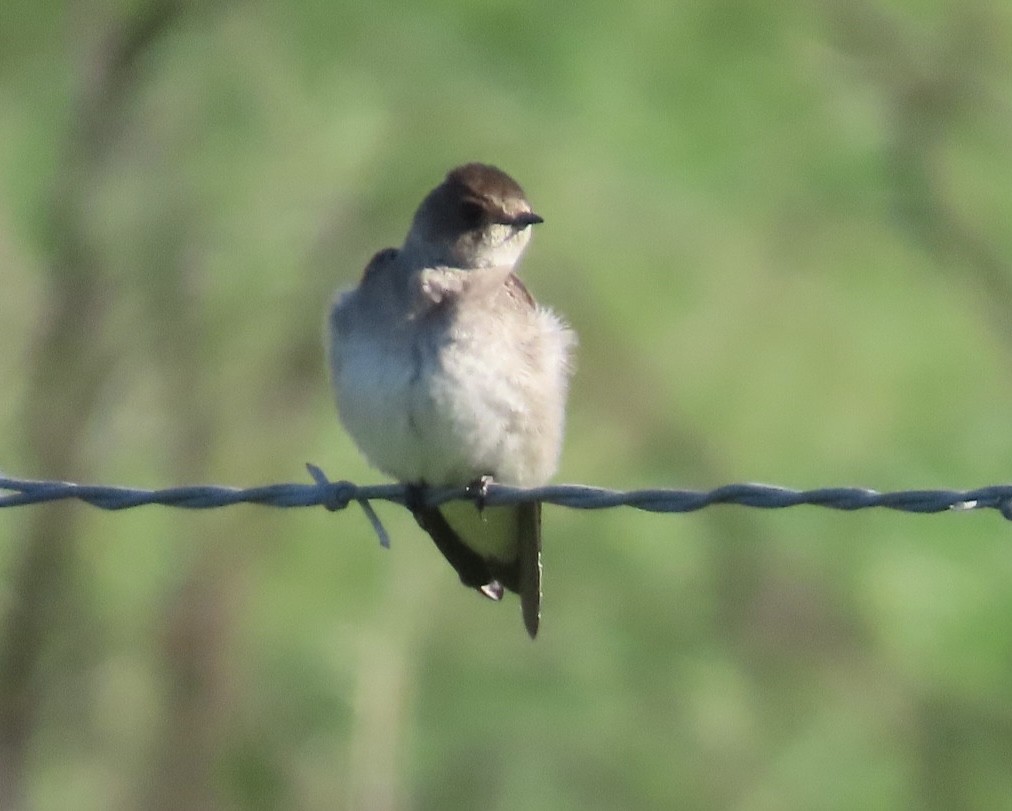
(525,219)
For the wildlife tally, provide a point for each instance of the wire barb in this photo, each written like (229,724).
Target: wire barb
(341,497)
(336,495)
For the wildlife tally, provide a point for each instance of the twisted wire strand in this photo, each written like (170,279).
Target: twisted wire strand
(336,495)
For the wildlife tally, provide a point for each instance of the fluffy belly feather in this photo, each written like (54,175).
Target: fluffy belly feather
(445,418)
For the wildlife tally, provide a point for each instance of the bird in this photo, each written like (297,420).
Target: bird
(448,373)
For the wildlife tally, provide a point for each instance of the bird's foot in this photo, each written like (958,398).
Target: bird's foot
(478,490)
(414,500)
(414,496)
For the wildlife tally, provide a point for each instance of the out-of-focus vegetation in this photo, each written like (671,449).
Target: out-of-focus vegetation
(781,231)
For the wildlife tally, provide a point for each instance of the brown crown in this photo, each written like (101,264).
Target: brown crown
(485,182)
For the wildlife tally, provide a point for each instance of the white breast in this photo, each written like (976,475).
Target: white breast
(456,398)
(374,390)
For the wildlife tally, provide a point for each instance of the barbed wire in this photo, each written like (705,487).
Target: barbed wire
(336,495)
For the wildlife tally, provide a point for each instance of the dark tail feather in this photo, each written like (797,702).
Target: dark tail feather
(487,575)
(529,564)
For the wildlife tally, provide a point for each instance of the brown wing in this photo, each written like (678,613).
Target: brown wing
(381,259)
(472,569)
(489,575)
(516,291)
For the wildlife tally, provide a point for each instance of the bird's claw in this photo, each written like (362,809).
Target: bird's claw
(478,490)
(414,497)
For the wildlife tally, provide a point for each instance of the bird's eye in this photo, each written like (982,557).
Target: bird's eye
(471,213)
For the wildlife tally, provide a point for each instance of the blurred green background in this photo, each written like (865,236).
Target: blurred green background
(781,232)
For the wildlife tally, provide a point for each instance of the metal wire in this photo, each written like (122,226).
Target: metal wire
(336,495)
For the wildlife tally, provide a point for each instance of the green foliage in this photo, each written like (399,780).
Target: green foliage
(780,232)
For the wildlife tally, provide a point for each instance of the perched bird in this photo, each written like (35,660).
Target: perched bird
(447,372)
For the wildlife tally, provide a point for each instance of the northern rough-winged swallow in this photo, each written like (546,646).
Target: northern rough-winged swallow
(447,372)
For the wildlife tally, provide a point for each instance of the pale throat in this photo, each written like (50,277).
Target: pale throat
(500,246)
